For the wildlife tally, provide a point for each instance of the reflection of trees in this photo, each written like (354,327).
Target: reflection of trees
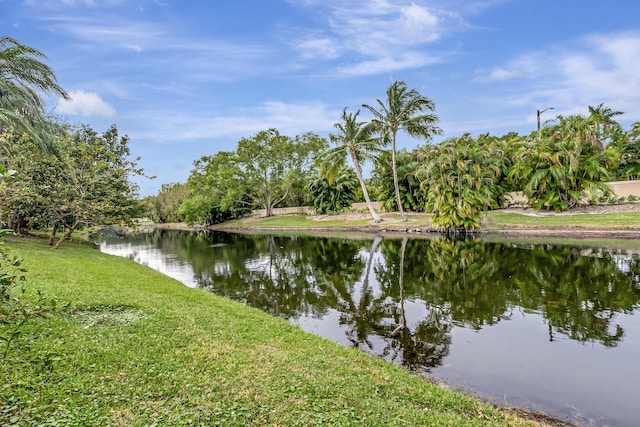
(578,295)
(283,275)
(427,343)
(373,285)
(365,314)
(460,276)
(581,295)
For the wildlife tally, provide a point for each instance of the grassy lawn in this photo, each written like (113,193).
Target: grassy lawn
(305,222)
(296,221)
(137,348)
(496,219)
(621,219)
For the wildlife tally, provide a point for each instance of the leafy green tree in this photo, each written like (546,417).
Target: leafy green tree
(263,171)
(85,183)
(336,196)
(627,145)
(269,165)
(23,76)
(355,141)
(166,204)
(216,193)
(559,170)
(462,177)
(407,110)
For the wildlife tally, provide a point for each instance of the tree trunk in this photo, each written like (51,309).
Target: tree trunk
(396,186)
(52,236)
(268,208)
(372,211)
(65,236)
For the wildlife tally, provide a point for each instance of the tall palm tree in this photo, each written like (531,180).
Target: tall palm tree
(356,141)
(602,119)
(404,109)
(23,76)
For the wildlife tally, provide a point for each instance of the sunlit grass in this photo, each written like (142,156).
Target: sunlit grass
(296,221)
(137,348)
(622,219)
(302,221)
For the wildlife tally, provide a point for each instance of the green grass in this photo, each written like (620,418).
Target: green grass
(304,222)
(137,348)
(622,219)
(295,221)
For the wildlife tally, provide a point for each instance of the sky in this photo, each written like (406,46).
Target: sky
(184,79)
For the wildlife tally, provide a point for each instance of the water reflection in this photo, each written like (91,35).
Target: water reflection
(466,283)
(401,298)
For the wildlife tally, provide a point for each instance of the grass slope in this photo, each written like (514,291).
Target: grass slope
(137,348)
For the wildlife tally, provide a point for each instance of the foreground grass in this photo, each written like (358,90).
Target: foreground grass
(138,348)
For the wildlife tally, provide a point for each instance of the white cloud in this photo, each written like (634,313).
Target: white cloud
(596,69)
(85,104)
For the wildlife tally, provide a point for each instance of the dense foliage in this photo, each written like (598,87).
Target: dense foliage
(165,206)
(460,177)
(565,165)
(411,195)
(333,196)
(63,176)
(86,182)
(263,171)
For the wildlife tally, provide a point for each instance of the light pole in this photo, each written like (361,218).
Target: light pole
(538,112)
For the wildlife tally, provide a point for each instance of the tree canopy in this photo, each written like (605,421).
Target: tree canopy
(86,182)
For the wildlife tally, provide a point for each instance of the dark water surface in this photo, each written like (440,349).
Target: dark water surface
(549,328)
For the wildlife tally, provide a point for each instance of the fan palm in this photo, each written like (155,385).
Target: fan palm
(404,109)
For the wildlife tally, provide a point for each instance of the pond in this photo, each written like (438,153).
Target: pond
(548,328)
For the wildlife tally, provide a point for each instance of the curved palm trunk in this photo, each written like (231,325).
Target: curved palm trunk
(372,211)
(396,186)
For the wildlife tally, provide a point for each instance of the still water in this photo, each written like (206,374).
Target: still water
(549,328)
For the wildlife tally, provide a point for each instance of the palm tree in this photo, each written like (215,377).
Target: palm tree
(23,76)
(354,140)
(404,109)
(602,119)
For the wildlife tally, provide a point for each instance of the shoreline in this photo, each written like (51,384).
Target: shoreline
(576,232)
(418,224)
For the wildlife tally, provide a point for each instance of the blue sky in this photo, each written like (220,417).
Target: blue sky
(185,78)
